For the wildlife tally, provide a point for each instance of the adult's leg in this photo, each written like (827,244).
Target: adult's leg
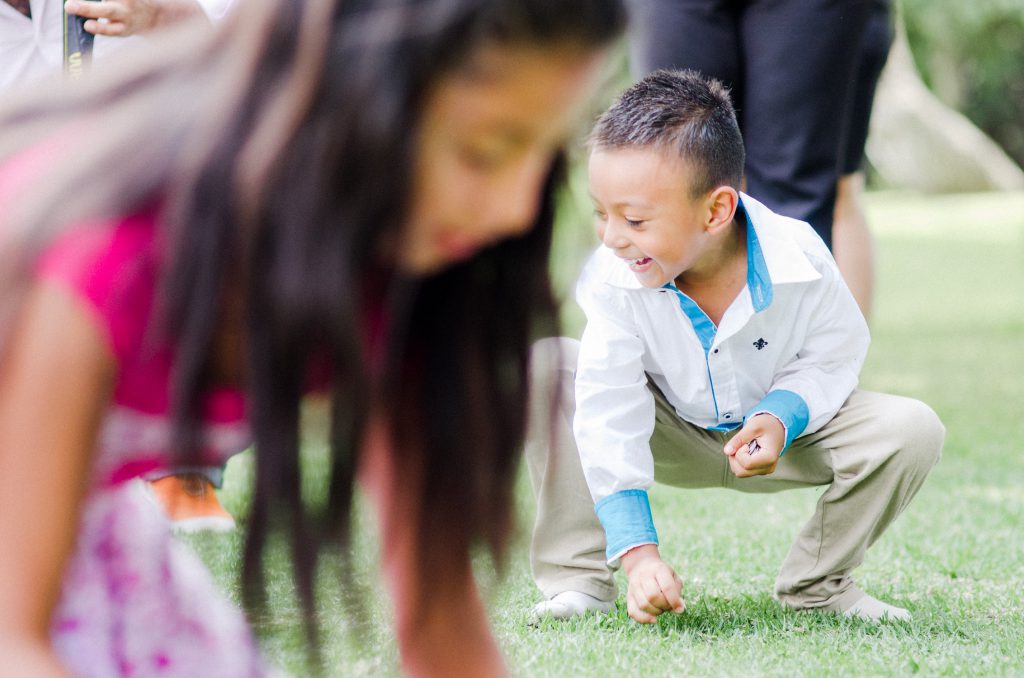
(697,34)
(567,552)
(799,57)
(853,245)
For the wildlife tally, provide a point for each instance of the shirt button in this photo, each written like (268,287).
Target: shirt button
(715,351)
(728,415)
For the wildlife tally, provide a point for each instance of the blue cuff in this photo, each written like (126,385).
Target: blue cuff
(787,407)
(627,521)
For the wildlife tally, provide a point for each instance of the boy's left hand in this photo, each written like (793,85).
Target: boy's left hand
(760,458)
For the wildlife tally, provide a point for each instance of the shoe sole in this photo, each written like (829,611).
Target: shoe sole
(205,524)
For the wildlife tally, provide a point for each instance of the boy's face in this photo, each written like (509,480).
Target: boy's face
(645,214)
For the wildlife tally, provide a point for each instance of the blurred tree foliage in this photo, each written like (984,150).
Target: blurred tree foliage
(971,55)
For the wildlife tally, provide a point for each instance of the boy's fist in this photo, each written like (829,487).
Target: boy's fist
(755,449)
(654,587)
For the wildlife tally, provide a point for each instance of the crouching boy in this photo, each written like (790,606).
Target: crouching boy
(722,349)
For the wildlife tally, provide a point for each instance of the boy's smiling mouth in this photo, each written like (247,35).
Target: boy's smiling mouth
(638,264)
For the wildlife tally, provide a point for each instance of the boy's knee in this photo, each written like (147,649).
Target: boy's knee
(921,434)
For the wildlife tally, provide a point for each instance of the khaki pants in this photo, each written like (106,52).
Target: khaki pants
(874,455)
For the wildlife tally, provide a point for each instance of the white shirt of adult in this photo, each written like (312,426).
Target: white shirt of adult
(33,48)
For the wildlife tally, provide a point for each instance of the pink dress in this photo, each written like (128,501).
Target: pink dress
(135,602)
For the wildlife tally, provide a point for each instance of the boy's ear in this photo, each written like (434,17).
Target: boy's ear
(722,203)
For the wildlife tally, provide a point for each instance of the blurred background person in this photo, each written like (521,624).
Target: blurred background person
(31,31)
(852,243)
(791,66)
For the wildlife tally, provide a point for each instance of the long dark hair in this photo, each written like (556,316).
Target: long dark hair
(279,151)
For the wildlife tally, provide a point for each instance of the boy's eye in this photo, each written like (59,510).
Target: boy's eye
(634,223)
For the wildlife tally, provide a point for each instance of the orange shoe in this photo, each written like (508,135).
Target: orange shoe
(190,502)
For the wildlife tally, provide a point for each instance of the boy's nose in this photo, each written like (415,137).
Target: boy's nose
(612,236)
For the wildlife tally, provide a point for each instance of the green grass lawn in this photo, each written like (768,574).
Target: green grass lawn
(948,329)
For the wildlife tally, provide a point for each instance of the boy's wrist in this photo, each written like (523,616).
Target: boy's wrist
(787,407)
(771,419)
(627,522)
(638,554)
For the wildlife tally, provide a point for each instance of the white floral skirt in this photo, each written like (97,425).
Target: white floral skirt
(135,602)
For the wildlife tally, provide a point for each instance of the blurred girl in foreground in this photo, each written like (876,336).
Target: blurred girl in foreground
(350,197)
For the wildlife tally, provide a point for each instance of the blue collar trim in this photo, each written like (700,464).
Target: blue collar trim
(758,281)
(702,325)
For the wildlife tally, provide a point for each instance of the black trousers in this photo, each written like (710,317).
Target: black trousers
(791,67)
(874,52)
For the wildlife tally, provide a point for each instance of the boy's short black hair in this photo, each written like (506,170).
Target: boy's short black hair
(682,112)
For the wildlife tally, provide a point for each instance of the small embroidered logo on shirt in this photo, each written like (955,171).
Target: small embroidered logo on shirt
(760,343)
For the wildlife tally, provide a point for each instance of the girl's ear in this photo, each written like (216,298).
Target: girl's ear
(722,203)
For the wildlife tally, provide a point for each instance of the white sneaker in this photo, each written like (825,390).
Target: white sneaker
(870,608)
(569,604)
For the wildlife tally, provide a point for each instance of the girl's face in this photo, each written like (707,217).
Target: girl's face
(489,133)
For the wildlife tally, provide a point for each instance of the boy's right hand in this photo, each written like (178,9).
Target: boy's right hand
(654,587)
